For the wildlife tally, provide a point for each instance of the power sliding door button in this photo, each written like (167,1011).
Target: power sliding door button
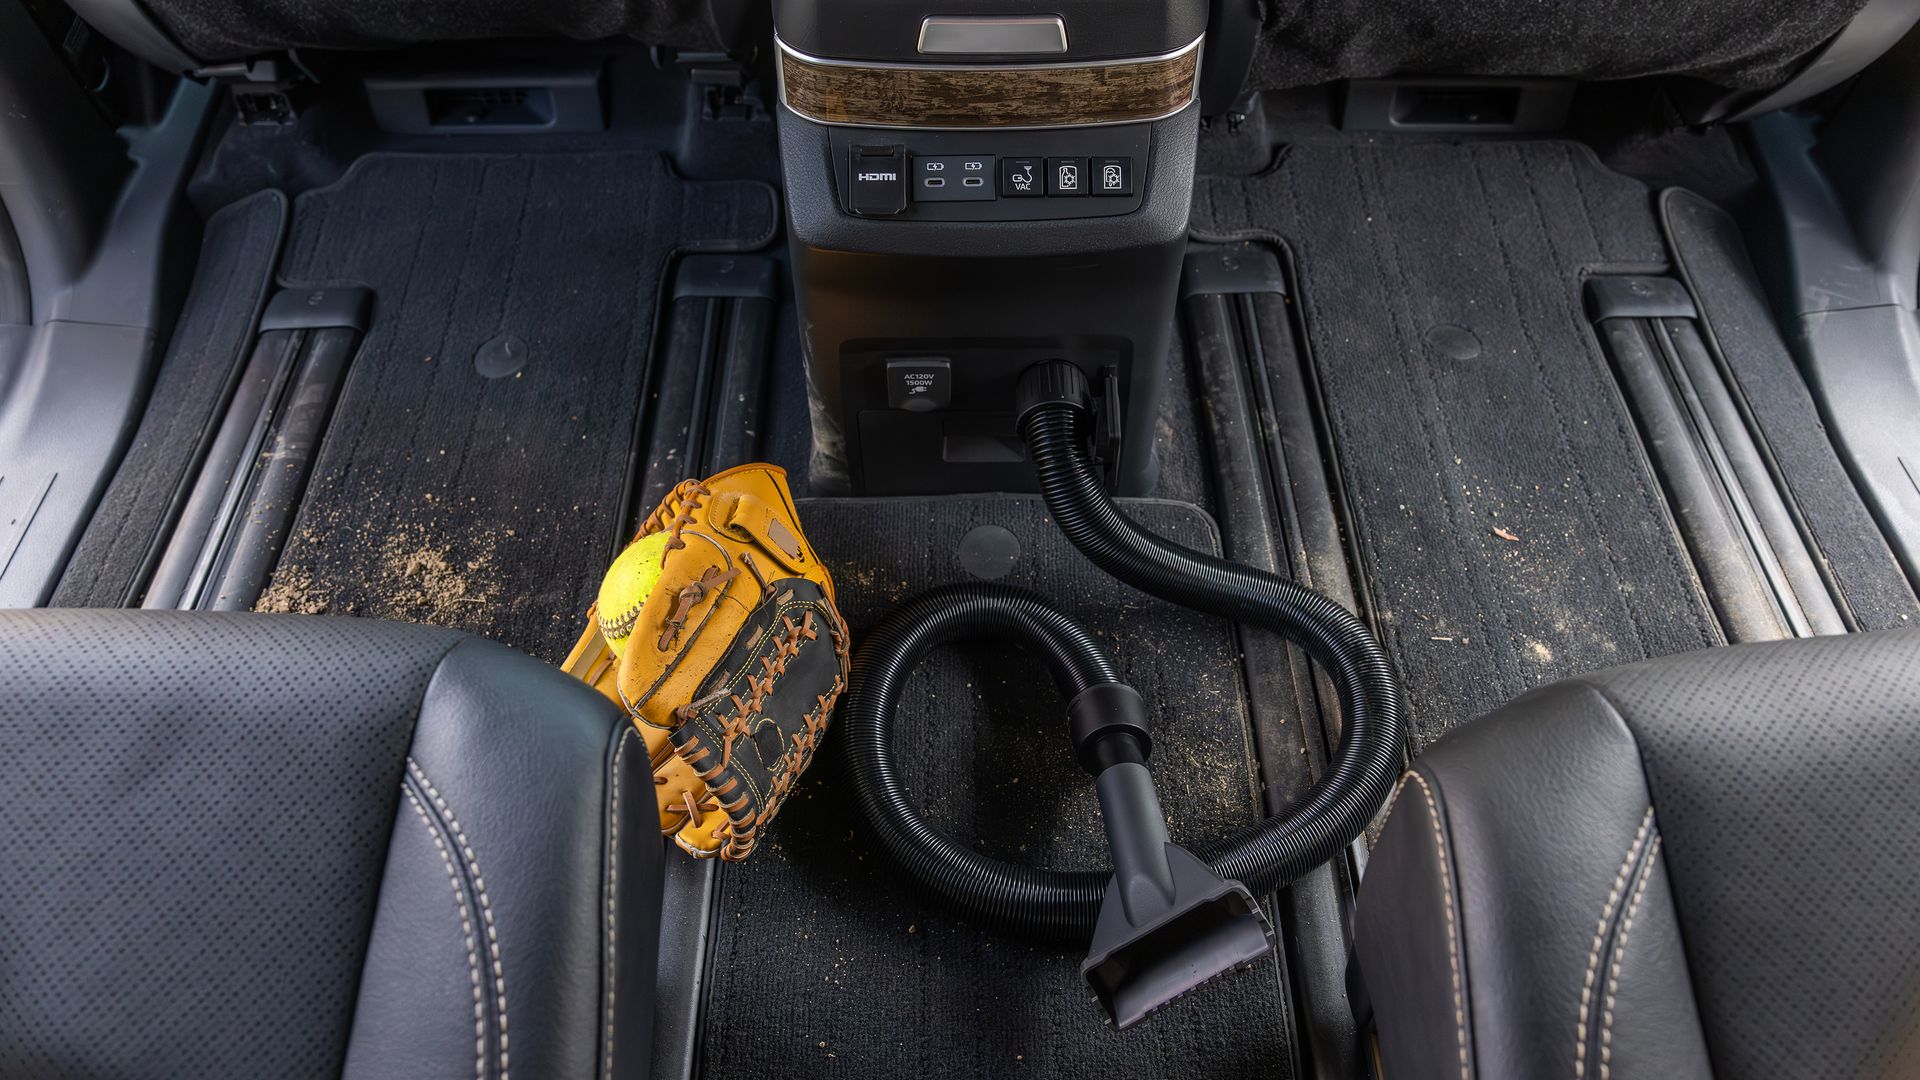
(879,175)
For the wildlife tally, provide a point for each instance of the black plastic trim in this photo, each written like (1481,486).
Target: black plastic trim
(1269,452)
(1227,271)
(500,101)
(753,277)
(250,551)
(1755,561)
(1723,553)
(1638,298)
(222,552)
(1876,28)
(127,24)
(1233,36)
(181,506)
(319,309)
(1457,104)
(889,30)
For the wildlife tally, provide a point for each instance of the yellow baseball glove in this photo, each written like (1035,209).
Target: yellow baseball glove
(716,630)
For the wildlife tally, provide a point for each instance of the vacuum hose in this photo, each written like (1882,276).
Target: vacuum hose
(1055,417)
(1048,903)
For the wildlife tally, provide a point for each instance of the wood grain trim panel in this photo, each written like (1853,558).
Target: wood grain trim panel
(1007,96)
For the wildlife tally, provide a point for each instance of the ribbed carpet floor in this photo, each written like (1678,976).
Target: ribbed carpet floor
(1509,528)
(210,343)
(442,495)
(827,963)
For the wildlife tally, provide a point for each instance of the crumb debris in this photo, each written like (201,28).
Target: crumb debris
(417,576)
(292,593)
(425,581)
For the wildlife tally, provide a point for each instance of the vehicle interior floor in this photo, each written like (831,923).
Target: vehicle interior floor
(480,458)
(500,429)
(1508,524)
(822,960)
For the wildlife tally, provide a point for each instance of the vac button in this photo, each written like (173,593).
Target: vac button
(879,180)
(1023,177)
(1111,175)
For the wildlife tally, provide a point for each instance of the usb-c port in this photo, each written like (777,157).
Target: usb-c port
(934,181)
(973,181)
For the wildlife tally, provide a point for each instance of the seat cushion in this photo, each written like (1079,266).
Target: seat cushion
(1750,44)
(519,911)
(243,845)
(1703,864)
(234,29)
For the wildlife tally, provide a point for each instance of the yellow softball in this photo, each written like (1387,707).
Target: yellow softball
(624,591)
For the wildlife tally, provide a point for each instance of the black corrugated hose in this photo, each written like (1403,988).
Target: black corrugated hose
(1055,416)
(1047,903)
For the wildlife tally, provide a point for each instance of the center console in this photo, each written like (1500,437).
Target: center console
(972,189)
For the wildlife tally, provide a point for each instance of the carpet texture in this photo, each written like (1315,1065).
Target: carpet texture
(210,343)
(1509,528)
(232,29)
(1734,310)
(441,494)
(827,963)
(1736,43)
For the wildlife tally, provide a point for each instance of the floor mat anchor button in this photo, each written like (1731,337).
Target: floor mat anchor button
(502,356)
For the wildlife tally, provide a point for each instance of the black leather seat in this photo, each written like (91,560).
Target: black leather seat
(180,35)
(1750,44)
(253,846)
(1702,865)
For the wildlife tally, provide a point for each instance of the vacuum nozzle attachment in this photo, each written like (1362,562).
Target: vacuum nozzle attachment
(1168,923)
(1208,927)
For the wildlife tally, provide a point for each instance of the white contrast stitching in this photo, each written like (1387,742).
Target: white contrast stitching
(613,887)
(1619,953)
(486,907)
(466,928)
(1453,943)
(1599,939)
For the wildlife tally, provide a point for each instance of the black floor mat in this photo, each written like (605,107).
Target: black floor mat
(1509,529)
(442,495)
(1733,309)
(211,341)
(826,963)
